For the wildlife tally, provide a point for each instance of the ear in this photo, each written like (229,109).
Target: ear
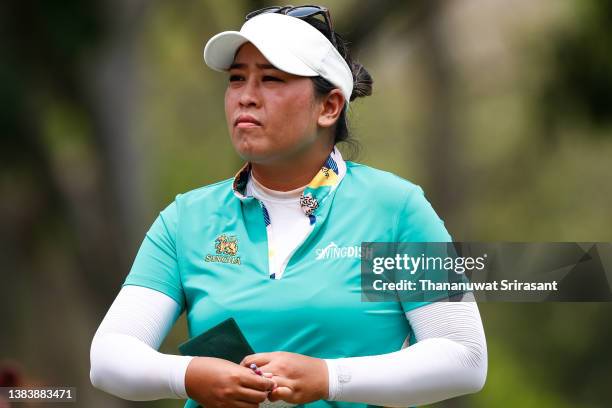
(331,108)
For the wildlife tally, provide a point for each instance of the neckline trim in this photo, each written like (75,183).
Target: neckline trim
(315,192)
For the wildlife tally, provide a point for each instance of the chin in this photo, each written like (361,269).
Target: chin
(251,147)
(252,152)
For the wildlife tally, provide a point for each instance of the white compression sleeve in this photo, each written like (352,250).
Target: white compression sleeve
(124,357)
(449,359)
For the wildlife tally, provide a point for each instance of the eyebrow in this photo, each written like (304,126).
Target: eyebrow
(260,66)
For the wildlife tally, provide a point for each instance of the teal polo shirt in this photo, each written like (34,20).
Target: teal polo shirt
(208,251)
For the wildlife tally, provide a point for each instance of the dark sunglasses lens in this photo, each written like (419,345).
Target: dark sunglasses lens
(304,11)
(272,9)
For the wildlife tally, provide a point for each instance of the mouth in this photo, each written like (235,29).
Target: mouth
(246,121)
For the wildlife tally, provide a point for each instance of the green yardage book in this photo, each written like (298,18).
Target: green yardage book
(224,340)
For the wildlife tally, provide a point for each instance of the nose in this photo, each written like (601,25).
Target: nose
(250,96)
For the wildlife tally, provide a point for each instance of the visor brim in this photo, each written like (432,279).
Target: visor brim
(221,49)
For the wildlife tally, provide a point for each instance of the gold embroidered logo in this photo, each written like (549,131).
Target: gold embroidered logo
(226,248)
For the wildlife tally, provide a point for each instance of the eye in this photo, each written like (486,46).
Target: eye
(235,78)
(271,78)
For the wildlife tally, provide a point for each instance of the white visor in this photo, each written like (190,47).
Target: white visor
(290,44)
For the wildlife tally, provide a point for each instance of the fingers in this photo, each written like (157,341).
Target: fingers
(276,367)
(281,382)
(258,358)
(252,396)
(257,382)
(243,404)
(282,393)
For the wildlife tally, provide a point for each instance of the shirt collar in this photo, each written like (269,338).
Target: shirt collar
(320,187)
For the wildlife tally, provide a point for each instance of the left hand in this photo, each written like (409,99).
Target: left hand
(300,379)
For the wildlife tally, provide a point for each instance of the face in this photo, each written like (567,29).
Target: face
(271,115)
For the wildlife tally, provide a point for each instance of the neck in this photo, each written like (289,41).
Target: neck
(292,173)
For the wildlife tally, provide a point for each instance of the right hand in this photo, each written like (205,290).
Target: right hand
(218,383)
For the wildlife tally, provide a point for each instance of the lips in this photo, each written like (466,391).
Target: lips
(245,121)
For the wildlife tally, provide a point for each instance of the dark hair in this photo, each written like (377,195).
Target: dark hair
(362,81)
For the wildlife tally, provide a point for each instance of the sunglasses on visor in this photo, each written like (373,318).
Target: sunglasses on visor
(301,12)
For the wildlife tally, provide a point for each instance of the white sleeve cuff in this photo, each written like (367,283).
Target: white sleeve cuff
(177,375)
(339,375)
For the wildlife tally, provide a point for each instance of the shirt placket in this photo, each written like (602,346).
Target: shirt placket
(312,199)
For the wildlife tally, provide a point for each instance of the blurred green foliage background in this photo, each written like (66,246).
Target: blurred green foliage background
(500,110)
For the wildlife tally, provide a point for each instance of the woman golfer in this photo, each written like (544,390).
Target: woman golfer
(277,249)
